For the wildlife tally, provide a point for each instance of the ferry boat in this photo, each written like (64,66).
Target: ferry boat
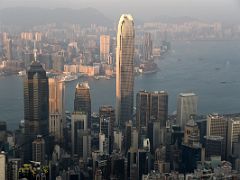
(69,77)
(22,73)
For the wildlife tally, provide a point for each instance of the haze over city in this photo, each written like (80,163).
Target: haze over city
(220,10)
(119,89)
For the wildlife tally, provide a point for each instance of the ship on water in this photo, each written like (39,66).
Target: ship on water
(69,77)
(148,67)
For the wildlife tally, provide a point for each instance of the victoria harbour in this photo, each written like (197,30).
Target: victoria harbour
(208,68)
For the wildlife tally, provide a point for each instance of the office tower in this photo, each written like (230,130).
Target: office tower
(142,109)
(191,134)
(82,101)
(104,47)
(159,107)
(190,156)
(124,70)
(38,150)
(2,165)
(128,136)
(36,112)
(232,134)
(138,163)
(186,108)
(214,146)
(117,140)
(107,120)
(132,164)
(12,169)
(217,126)
(117,166)
(56,108)
(81,139)
(134,138)
(147,47)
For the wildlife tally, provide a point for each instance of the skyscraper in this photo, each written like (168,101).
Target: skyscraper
(233,133)
(104,47)
(36,112)
(186,107)
(151,105)
(124,70)
(147,47)
(107,119)
(82,101)
(2,165)
(38,150)
(217,126)
(159,107)
(80,135)
(56,108)
(142,109)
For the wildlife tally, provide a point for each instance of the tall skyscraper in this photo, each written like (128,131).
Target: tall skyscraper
(36,104)
(104,47)
(186,107)
(159,107)
(82,101)
(56,108)
(233,134)
(151,105)
(142,109)
(124,70)
(147,47)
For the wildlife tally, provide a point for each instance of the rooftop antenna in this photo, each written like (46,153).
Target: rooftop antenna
(35,51)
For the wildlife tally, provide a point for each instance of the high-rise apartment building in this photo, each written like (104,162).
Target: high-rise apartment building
(186,107)
(124,70)
(56,108)
(82,101)
(36,104)
(104,47)
(38,150)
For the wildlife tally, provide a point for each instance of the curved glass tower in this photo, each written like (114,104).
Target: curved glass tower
(124,70)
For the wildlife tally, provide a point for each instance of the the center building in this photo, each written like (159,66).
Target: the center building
(124,70)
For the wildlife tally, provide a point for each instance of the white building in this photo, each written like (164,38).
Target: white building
(186,107)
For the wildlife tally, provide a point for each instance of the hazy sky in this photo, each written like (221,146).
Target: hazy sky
(224,10)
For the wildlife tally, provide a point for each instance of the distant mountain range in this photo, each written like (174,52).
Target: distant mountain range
(36,16)
(27,17)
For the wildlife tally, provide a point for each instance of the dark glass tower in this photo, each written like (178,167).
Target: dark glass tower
(82,101)
(35,104)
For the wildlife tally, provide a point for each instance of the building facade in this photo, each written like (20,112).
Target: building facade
(124,70)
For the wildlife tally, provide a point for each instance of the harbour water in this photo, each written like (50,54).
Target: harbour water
(211,69)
